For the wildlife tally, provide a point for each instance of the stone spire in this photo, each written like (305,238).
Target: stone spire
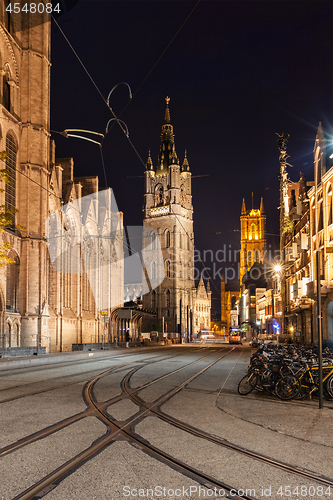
(243,208)
(167,112)
(262,210)
(185,166)
(174,158)
(149,164)
(167,151)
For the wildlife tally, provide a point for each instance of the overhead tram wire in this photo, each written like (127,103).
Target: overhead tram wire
(143,81)
(160,57)
(106,100)
(116,119)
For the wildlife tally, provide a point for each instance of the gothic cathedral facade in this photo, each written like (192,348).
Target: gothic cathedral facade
(40,306)
(168,209)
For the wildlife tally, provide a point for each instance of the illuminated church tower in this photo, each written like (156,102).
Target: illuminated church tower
(168,209)
(253,237)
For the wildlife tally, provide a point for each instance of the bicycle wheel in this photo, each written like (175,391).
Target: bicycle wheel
(329,386)
(270,381)
(247,384)
(287,387)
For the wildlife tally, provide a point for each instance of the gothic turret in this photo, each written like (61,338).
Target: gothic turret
(243,208)
(149,164)
(262,210)
(167,151)
(185,166)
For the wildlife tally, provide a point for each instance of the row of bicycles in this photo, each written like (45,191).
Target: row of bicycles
(288,372)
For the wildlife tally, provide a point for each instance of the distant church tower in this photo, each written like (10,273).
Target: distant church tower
(253,237)
(168,209)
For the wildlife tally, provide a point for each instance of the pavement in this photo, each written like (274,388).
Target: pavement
(59,357)
(294,432)
(301,420)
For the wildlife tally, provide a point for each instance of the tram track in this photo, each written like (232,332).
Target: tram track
(84,376)
(126,430)
(154,409)
(89,411)
(116,431)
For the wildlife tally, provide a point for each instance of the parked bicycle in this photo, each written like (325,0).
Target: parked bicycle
(289,372)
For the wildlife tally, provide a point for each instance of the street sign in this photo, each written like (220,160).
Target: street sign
(124,313)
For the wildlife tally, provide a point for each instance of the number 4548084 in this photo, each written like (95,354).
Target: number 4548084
(304,491)
(33,8)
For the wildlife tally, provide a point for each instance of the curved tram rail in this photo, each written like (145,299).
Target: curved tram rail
(116,431)
(49,482)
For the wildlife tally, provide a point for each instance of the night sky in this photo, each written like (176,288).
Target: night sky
(236,73)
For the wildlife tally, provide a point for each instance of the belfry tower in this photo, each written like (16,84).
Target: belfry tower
(253,237)
(168,209)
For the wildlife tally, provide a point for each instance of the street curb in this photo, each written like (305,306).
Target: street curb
(6,363)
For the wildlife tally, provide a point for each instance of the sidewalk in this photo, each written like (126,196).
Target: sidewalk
(60,357)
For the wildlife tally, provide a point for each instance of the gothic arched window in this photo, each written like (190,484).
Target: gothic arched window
(153,299)
(12,283)
(67,277)
(313,215)
(159,195)
(329,205)
(182,195)
(153,240)
(320,214)
(10,187)
(167,298)
(6,91)
(249,258)
(153,270)
(167,239)
(168,269)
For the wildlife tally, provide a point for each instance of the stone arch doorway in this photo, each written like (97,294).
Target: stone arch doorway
(15,337)
(8,335)
(329,340)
